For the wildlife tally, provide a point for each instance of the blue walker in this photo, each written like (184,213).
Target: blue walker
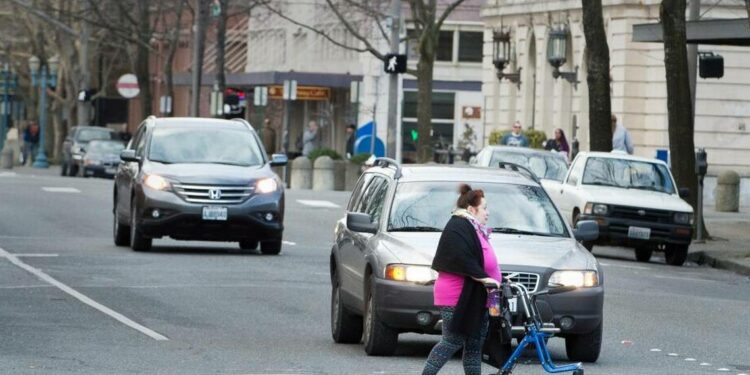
(537,333)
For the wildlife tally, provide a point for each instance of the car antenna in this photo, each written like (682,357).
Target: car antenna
(518,168)
(386,162)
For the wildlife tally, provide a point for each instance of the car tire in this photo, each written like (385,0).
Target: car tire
(643,254)
(248,245)
(120,232)
(346,327)
(272,247)
(585,347)
(675,255)
(138,241)
(379,339)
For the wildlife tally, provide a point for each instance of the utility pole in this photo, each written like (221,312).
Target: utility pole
(198,41)
(393,127)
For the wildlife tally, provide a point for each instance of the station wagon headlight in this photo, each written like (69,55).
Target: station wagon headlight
(405,272)
(683,218)
(156,182)
(579,279)
(266,185)
(596,209)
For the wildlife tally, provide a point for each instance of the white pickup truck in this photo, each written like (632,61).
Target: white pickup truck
(634,200)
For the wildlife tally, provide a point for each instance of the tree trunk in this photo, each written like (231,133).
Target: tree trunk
(597,62)
(679,105)
(201,10)
(174,42)
(424,108)
(221,40)
(142,70)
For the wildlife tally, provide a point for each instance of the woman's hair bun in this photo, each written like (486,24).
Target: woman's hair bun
(464,188)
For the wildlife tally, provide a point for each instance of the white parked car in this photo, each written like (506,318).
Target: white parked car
(634,200)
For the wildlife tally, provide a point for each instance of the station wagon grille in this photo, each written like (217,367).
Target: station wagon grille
(529,280)
(642,214)
(213,194)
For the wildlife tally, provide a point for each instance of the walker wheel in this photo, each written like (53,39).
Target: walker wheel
(578,372)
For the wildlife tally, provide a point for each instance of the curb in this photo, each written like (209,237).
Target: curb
(703,258)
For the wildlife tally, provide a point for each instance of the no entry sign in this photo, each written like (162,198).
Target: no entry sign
(127,86)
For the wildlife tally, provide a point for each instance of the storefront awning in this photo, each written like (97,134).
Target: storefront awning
(730,32)
(275,78)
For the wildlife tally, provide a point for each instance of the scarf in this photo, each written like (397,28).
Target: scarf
(484,230)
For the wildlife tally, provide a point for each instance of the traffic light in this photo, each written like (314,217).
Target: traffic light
(711,65)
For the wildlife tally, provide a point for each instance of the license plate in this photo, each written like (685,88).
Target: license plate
(110,170)
(513,304)
(639,233)
(214,213)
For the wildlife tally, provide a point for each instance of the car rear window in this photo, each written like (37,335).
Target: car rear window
(87,135)
(205,145)
(427,206)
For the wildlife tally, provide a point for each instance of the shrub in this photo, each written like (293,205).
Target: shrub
(536,137)
(318,152)
(359,159)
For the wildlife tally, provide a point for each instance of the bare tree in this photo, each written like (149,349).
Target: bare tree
(597,63)
(679,103)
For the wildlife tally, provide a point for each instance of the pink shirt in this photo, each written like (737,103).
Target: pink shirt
(448,285)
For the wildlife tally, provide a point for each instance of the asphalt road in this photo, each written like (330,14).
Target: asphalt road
(73,303)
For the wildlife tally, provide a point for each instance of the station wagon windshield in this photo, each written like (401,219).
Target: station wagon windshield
(630,174)
(205,145)
(517,209)
(548,167)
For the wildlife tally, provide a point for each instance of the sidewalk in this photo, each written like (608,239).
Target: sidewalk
(729,247)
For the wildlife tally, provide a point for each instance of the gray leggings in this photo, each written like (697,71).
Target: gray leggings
(452,342)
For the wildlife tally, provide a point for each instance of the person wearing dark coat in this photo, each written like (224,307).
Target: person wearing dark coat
(466,263)
(351,132)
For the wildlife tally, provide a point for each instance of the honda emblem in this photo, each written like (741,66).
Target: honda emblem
(214,194)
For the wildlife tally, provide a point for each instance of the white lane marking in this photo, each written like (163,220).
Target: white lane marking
(690,359)
(290,243)
(723,369)
(705,364)
(673,355)
(655,350)
(683,278)
(7,174)
(625,266)
(60,189)
(36,255)
(317,203)
(81,297)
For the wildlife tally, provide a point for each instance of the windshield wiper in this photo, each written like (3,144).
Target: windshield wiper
(415,229)
(600,183)
(518,231)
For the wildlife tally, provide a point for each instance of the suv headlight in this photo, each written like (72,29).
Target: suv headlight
(683,218)
(580,279)
(266,185)
(596,209)
(405,272)
(156,182)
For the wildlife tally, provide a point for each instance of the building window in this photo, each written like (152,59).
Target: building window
(443,113)
(470,46)
(445,46)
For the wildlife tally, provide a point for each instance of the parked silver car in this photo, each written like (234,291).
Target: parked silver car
(380,262)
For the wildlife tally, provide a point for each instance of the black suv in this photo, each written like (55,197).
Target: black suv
(198,179)
(75,144)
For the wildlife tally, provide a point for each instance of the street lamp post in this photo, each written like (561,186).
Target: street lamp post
(501,57)
(557,44)
(9,82)
(42,77)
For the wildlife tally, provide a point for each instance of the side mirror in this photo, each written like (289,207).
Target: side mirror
(586,230)
(278,160)
(129,156)
(360,222)
(684,193)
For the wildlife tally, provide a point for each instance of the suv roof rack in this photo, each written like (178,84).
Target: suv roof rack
(388,162)
(520,169)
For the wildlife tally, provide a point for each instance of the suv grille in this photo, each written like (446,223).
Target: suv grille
(213,194)
(642,214)
(529,280)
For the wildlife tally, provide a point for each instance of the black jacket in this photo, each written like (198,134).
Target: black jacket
(460,252)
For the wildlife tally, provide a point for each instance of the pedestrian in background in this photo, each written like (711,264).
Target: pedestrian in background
(621,137)
(12,143)
(558,143)
(30,142)
(516,137)
(310,138)
(465,262)
(351,132)
(269,137)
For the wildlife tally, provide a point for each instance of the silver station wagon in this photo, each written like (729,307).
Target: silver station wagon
(380,262)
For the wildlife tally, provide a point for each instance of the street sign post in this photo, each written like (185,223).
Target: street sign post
(127,86)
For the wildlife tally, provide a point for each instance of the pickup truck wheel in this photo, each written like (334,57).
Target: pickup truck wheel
(346,327)
(675,255)
(585,347)
(379,339)
(643,254)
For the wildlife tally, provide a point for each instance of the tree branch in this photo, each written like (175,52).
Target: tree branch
(354,32)
(46,17)
(447,12)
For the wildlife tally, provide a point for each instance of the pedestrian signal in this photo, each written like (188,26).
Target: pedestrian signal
(394,64)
